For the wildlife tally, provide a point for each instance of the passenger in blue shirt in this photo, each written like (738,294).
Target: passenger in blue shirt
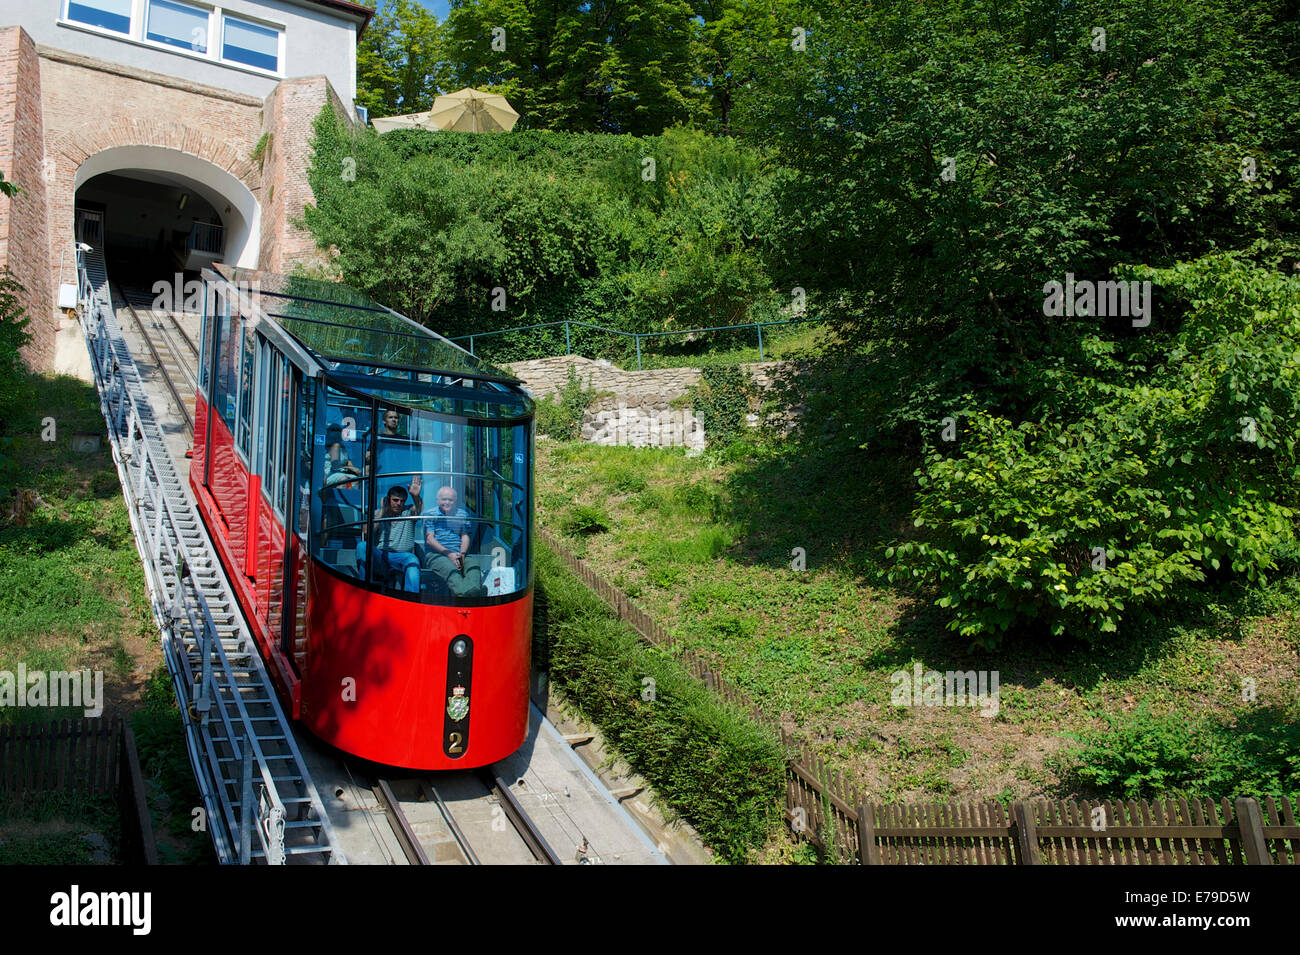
(446,535)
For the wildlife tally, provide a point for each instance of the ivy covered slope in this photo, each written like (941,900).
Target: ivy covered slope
(470,233)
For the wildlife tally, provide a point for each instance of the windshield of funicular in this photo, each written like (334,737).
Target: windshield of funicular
(418,505)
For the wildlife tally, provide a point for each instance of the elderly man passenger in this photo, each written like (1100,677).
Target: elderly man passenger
(447,532)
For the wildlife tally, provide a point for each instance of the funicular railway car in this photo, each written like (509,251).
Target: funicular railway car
(368,486)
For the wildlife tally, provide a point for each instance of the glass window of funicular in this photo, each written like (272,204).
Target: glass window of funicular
(340,498)
(451,515)
(307,456)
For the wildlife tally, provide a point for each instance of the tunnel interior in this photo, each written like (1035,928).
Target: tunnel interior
(152,224)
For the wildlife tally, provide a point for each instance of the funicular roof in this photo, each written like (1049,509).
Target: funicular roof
(342,326)
(371,347)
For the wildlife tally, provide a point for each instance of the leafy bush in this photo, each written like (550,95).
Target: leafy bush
(586,519)
(562,418)
(708,760)
(721,401)
(1138,755)
(433,223)
(1164,476)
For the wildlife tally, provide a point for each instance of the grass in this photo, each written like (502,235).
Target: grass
(72,590)
(58,829)
(707,545)
(73,596)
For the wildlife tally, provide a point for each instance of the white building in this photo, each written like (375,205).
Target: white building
(169,133)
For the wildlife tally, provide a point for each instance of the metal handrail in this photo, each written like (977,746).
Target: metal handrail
(142,483)
(206,237)
(637,336)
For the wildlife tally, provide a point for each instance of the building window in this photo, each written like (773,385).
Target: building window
(251,44)
(178,24)
(109,14)
(185,26)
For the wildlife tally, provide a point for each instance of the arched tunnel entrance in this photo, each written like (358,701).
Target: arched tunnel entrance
(150,225)
(156,212)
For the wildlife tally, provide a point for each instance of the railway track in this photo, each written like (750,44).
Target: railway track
(489,825)
(170,346)
(471,817)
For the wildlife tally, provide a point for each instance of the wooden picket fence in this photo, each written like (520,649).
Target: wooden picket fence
(829,812)
(1168,831)
(89,758)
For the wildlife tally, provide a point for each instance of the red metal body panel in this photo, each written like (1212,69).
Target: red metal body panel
(200,430)
(394,652)
(225,511)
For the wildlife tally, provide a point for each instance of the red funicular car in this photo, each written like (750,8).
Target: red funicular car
(368,485)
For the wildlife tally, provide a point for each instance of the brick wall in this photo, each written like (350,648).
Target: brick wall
(289,113)
(90,105)
(57,109)
(23,226)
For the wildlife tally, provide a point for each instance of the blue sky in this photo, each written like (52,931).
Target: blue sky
(438,7)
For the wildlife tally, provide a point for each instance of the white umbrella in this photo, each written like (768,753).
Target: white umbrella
(472,111)
(386,124)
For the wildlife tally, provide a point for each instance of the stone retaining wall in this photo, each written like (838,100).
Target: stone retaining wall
(639,410)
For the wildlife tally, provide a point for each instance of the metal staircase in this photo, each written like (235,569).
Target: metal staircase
(259,801)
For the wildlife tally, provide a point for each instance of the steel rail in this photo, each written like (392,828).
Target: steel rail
(128,292)
(162,371)
(432,795)
(523,824)
(401,825)
(185,336)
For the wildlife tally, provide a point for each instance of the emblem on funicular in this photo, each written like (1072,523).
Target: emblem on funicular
(457,704)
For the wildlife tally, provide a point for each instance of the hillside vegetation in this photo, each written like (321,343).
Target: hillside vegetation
(707,545)
(1052,427)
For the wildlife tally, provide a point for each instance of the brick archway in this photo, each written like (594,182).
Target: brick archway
(79,143)
(157,144)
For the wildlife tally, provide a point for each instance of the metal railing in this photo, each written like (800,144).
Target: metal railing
(207,237)
(220,729)
(636,336)
(90,227)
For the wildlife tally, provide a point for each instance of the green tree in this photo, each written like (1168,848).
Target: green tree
(949,158)
(599,66)
(731,37)
(564,224)
(401,66)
